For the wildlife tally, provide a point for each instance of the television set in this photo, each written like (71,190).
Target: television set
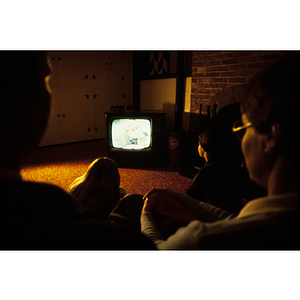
(136,138)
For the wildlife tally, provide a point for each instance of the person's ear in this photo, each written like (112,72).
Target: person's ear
(272,138)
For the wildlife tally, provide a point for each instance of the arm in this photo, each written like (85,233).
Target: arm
(185,238)
(160,192)
(204,211)
(149,228)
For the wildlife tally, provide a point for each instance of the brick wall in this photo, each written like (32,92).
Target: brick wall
(219,77)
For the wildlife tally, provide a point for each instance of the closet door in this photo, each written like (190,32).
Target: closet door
(121,68)
(120,96)
(100,69)
(100,104)
(85,85)
(74,107)
(73,67)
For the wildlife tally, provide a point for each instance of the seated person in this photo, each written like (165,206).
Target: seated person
(270,134)
(99,187)
(172,210)
(217,182)
(39,216)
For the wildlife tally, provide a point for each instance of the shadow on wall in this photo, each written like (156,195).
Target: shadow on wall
(224,120)
(169,108)
(228,95)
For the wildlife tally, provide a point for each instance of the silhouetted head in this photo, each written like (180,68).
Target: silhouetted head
(24,103)
(273,96)
(213,142)
(98,188)
(270,109)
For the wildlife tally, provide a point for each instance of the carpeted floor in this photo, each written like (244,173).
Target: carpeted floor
(61,164)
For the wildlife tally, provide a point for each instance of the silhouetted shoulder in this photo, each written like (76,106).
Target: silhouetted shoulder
(43,216)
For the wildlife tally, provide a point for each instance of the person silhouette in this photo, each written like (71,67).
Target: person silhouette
(269,133)
(38,216)
(217,182)
(99,187)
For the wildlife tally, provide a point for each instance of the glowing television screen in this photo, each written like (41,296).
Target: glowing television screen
(131,133)
(136,138)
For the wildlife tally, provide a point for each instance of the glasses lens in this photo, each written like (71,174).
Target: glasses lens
(240,133)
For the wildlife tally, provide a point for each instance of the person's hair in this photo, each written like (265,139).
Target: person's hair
(214,142)
(273,97)
(98,188)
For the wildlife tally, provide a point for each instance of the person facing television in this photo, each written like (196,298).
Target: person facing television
(270,136)
(39,216)
(99,187)
(217,182)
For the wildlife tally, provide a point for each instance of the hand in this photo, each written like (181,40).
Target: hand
(149,201)
(150,193)
(160,193)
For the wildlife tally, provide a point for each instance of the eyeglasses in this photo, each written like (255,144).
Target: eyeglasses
(239,128)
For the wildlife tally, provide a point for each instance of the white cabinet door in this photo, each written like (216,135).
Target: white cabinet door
(121,96)
(69,119)
(113,68)
(101,103)
(85,84)
(100,69)
(76,120)
(94,68)
(121,69)
(73,67)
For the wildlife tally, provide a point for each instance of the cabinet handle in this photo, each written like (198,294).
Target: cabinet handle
(95,96)
(86,76)
(123,95)
(58,115)
(96,129)
(123,78)
(89,129)
(86,96)
(94,77)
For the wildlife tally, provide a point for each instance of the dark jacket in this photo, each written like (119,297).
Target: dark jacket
(218,183)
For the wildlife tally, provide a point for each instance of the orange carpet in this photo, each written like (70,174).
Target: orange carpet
(132,180)
(60,165)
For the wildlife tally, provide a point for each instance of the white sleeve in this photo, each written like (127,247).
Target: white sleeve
(204,211)
(149,228)
(184,238)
